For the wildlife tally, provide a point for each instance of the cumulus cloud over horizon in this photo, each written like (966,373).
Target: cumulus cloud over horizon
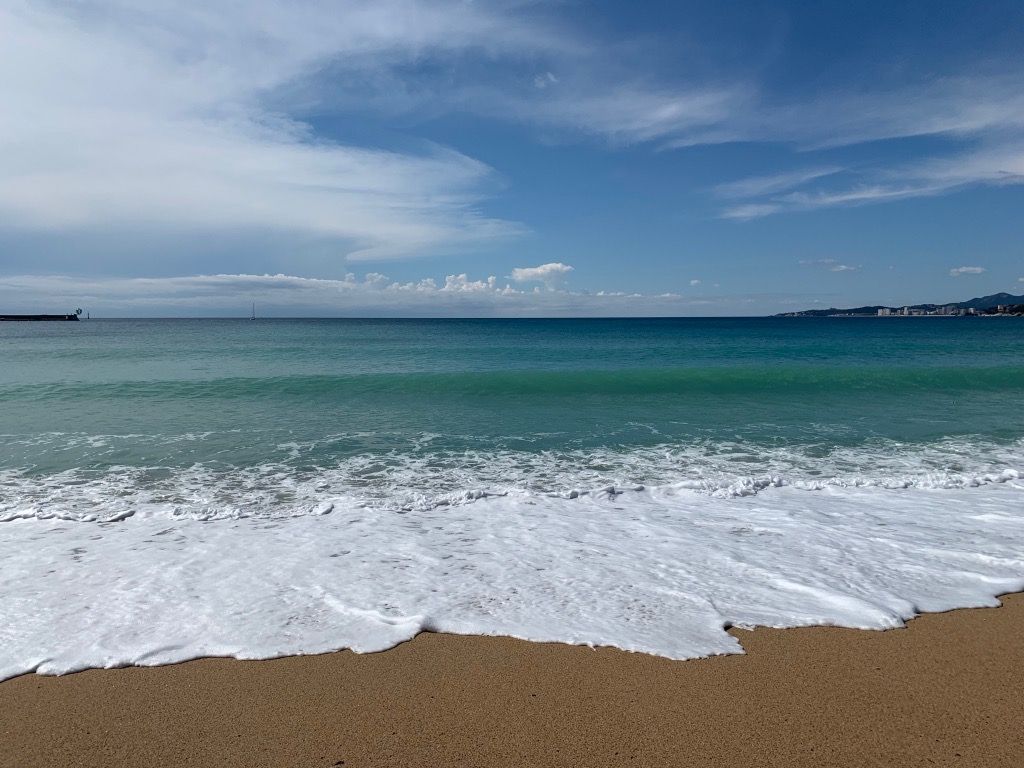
(550,274)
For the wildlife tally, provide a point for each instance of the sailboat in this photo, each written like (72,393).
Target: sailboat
(253,317)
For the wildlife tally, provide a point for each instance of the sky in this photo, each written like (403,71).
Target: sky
(471,158)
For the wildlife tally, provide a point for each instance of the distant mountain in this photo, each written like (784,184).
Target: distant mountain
(833,311)
(988,302)
(980,304)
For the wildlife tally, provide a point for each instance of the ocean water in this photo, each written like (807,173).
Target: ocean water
(180,488)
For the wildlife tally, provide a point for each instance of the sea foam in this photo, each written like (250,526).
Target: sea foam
(662,569)
(295,481)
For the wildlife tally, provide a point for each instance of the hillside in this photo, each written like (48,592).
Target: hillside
(980,303)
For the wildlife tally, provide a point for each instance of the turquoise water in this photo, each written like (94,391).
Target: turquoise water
(180,488)
(558,398)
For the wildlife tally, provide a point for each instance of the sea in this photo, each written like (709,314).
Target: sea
(172,489)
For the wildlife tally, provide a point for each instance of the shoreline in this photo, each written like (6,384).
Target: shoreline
(944,690)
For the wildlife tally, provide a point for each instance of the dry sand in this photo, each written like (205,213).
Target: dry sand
(948,690)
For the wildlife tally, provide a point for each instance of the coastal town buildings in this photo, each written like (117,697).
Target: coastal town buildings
(951,310)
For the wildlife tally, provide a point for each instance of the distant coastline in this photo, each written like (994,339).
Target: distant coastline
(1005,304)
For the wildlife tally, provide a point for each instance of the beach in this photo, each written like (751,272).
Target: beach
(498,383)
(945,690)
(208,528)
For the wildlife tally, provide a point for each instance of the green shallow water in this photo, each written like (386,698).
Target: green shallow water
(254,391)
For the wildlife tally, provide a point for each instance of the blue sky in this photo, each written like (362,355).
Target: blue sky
(431,158)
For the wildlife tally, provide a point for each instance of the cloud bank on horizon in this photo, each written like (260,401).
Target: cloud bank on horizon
(369,295)
(381,131)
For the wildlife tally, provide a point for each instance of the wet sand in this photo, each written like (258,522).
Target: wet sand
(947,690)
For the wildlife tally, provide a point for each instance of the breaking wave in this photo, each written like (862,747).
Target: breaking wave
(423,478)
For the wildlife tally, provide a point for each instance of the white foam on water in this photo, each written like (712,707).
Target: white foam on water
(663,570)
(415,480)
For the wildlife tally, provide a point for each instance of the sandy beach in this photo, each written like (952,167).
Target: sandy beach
(944,691)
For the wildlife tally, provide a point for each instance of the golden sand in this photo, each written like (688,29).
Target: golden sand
(947,690)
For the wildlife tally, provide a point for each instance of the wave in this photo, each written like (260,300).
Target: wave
(738,380)
(295,482)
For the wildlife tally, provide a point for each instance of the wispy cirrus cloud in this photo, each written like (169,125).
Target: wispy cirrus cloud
(755,186)
(748,211)
(961,105)
(978,117)
(1000,162)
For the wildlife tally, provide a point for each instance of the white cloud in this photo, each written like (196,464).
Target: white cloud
(186,116)
(750,211)
(695,282)
(544,80)
(958,271)
(958,106)
(608,88)
(162,116)
(175,116)
(630,113)
(981,116)
(998,161)
(372,295)
(755,186)
(549,274)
